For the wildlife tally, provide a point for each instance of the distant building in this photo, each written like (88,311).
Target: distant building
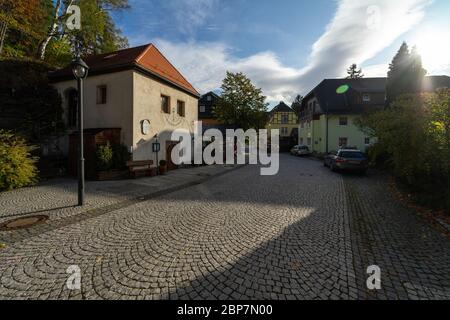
(284,118)
(327,118)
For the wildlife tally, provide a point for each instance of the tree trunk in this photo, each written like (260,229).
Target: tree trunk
(52,31)
(3,30)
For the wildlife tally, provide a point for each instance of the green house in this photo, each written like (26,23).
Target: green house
(328,113)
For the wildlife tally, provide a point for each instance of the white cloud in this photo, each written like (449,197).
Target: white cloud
(357,33)
(191,14)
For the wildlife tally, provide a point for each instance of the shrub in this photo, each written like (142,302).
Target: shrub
(120,157)
(414,143)
(17,165)
(105,157)
(163,163)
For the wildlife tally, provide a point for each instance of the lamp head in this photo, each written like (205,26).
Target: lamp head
(79,68)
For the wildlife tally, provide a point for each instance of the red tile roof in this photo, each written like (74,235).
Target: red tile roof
(147,58)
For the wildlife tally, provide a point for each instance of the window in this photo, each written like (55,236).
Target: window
(165,104)
(367,141)
(301,140)
(343,121)
(366,97)
(284,131)
(284,119)
(208,98)
(343,142)
(302,125)
(202,109)
(101,94)
(309,141)
(181,110)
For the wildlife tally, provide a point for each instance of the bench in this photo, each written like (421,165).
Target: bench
(140,168)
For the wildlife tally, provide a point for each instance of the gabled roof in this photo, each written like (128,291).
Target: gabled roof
(211,93)
(330,100)
(281,107)
(147,59)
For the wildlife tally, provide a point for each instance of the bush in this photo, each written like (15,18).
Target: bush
(105,157)
(414,143)
(17,165)
(120,157)
(163,163)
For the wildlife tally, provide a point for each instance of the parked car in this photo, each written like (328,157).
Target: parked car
(347,160)
(295,149)
(303,151)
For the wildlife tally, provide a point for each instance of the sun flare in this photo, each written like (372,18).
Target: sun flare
(434,47)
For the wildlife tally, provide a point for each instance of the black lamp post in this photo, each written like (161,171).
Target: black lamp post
(80,71)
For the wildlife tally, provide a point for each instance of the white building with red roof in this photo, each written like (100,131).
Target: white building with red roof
(136,92)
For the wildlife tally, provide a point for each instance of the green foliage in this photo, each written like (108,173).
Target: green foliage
(29,105)
(241,103)
(405,73)
(120,156)
(17,165)
(297,104)
(105,157)
(26,22)
(112,157)
(414,142)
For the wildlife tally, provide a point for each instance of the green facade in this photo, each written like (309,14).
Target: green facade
(314,135)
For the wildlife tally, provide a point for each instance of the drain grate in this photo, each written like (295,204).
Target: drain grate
(23,223)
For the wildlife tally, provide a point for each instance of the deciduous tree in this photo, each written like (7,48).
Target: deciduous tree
(242,104)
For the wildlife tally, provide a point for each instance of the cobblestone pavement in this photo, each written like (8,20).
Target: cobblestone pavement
(306,233)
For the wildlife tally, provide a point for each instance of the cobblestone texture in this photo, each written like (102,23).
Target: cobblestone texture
(306,233)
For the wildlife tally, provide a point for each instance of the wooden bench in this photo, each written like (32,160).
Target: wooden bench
(140,168)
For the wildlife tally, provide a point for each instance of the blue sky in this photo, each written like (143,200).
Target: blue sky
(287,46)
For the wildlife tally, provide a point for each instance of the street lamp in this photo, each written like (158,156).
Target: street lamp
(156,147)
(80,71)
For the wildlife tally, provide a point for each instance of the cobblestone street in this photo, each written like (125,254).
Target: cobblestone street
(306,233)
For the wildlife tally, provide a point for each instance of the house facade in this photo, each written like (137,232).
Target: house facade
(136,90)
(284,118)
(329,112)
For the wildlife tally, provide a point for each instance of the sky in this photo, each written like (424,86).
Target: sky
(286,47)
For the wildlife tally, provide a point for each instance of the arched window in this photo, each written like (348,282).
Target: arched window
(72,107)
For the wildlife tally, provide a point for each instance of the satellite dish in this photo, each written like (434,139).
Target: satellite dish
(342,89)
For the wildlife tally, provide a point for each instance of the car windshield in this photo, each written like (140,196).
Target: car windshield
(352,155)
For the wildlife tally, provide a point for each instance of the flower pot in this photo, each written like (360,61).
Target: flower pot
(162,170)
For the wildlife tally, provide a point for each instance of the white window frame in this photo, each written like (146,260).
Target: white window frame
(366,97)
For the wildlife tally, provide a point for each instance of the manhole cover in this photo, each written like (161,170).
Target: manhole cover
(23,223)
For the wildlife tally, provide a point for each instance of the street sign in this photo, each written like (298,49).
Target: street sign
(156,147)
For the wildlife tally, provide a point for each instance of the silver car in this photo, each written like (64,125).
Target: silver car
(347,160)
(303,151)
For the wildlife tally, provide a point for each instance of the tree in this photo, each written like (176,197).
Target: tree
(297,104)
(98,32)
(30,105)
(405,73)
(22,24)
(414,143)
(241,104)
(354,73)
